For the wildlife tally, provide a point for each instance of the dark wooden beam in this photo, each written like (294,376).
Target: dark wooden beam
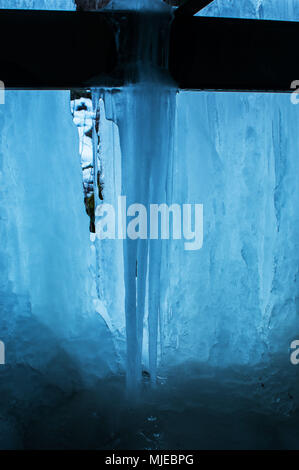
(50,49)
(234,54)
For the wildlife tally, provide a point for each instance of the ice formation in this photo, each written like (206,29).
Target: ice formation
(226,298)
(218,305)
(46,279)
(71,304)
(143,112)
(49,323)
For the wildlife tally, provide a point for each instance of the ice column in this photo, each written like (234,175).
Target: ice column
(144,112)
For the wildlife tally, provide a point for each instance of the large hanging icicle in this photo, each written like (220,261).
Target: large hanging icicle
(145,126)
(144,113)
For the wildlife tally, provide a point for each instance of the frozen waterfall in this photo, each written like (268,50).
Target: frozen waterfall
(145,115)
(202,338)
(188,308)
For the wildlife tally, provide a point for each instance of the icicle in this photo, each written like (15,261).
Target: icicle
(95,140)
(144,113)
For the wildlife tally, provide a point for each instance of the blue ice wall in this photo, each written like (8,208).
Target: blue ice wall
(236,301)
(48,317)
(48,322)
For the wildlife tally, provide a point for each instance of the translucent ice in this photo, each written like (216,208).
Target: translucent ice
(234,301)
(46,284)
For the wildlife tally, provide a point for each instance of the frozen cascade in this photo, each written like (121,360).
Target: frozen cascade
(224,316)
(202,321)
(53,337)
(144,113)
(45,242)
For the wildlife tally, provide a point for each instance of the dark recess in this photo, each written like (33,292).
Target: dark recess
(77,50)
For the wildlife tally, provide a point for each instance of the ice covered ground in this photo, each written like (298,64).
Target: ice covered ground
(226,409)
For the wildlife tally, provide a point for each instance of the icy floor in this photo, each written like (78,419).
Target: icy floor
(192,409)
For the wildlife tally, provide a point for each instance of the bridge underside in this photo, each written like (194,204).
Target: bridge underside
(64,50)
